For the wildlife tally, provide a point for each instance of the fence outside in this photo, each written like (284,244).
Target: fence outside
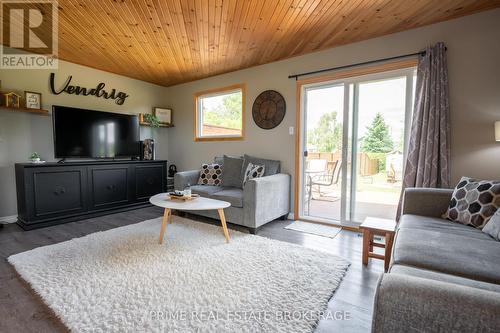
(366,166)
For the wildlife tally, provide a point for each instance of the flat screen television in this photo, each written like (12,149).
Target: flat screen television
(80,133)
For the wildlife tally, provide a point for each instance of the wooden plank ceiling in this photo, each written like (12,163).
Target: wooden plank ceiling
(174,41)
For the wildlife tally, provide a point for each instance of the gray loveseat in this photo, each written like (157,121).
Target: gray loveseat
(444,276)
(260,201)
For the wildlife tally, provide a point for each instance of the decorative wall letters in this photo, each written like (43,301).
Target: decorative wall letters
(98,91)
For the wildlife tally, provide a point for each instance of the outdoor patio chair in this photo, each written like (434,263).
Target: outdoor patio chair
(316,166)
(391,174)
(327,179)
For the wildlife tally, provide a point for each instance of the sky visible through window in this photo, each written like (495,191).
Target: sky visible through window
(386,97)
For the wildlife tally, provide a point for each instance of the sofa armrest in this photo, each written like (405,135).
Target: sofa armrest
(431,202)
(411,304)
(183,178)
(266,198)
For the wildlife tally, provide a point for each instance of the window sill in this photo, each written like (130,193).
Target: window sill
(220,138)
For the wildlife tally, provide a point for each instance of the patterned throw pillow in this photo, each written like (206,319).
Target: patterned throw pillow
(253,171)
(474,202)
(492,228)
(211,174)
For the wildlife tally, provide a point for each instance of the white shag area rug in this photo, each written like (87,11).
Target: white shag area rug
(122,280)
(314,228)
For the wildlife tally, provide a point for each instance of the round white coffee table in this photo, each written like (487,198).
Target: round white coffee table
(199,203)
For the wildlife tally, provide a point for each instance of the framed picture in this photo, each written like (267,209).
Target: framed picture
(164,115)
(33,100)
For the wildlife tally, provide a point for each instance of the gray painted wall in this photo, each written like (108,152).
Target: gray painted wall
(23,133)
(474,73)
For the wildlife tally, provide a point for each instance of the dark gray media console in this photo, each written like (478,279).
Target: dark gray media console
(53,193)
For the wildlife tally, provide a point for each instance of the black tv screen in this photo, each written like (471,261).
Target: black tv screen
(80,133)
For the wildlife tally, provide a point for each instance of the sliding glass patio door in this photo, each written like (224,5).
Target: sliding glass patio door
(353,142)
(323,145)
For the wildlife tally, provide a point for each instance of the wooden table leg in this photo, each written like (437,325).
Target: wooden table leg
(223,222)
(389,238)
(366,245)
(166,217)
(372,240)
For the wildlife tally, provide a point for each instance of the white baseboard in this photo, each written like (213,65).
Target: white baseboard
(8,219)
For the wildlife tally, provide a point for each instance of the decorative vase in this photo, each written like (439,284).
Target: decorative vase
(149,149)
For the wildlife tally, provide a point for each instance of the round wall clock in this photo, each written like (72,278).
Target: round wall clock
(269,109)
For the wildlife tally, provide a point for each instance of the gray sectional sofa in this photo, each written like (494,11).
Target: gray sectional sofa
(260,201)
(444,276)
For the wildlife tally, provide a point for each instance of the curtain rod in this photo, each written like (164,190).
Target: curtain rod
(296,76)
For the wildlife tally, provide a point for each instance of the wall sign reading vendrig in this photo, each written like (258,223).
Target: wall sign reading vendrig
(98,91)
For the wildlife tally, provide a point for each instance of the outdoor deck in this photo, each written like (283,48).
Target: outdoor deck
(374,201)
(331,210)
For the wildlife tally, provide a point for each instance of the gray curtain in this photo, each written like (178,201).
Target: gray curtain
(428,158)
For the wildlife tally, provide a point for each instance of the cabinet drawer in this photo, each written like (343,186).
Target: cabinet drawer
(110,186)
(149,180)
(58,192)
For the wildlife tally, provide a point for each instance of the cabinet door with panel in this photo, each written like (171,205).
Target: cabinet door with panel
(149,180)
(109,186)
(56,191)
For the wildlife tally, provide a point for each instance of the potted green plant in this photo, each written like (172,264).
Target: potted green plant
(151,119)
(35,157)
(153,122)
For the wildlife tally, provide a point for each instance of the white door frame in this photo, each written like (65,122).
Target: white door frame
(350,81)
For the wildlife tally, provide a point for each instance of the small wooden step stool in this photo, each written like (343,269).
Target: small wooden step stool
(377,227)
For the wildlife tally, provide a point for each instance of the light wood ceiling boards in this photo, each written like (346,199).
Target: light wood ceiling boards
(174,41)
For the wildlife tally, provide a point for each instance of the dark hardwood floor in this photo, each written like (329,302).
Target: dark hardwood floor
(22,311)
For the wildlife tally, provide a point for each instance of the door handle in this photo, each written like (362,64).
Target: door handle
(306,153)
(59,190)
(111,187)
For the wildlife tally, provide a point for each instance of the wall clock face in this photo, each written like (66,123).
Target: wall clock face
(269,109)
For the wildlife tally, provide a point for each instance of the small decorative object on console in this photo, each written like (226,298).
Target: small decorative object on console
(172,170)
(35,158)
(170,183)
(148,147)
(33,100)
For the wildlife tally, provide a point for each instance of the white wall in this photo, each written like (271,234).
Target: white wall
(23,133)
(474,71)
